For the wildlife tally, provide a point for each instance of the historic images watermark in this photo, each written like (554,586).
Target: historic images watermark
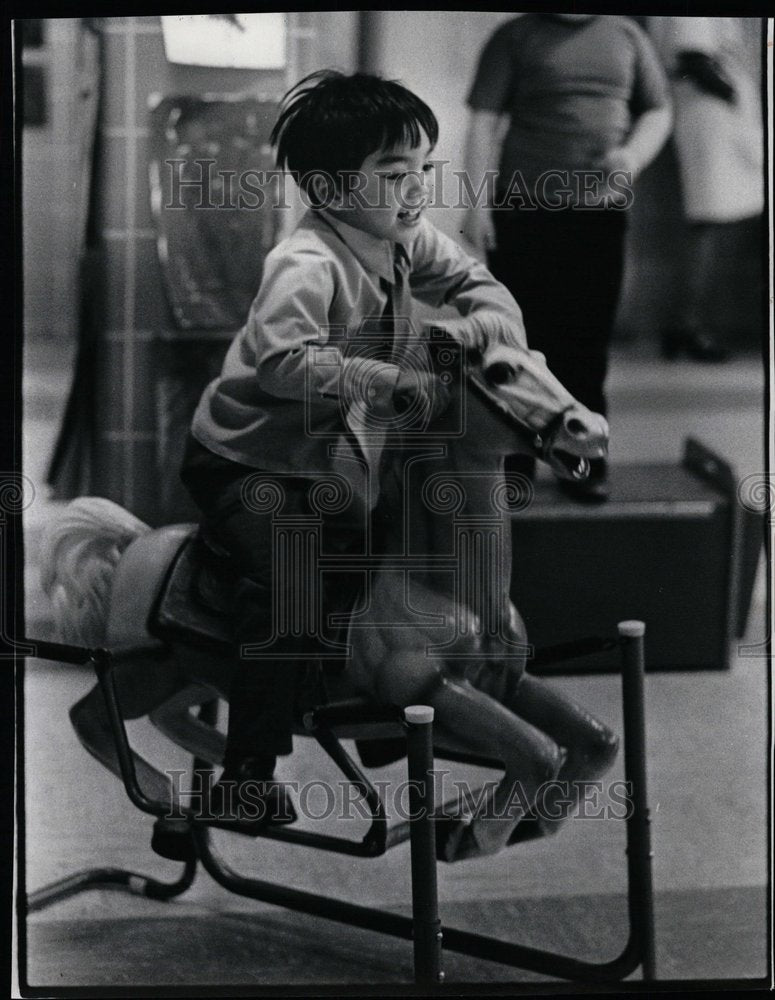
(17,494)
(756,495)
(342,800)
(200,184)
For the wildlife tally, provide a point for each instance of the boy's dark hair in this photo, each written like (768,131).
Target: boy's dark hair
(329,123)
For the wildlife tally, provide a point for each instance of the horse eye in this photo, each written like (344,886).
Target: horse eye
(499,373)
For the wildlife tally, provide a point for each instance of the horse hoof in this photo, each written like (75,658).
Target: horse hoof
(454,839)
(528,828)
(532,827)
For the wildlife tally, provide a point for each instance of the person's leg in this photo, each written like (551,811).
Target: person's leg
(565,270)
(593,255)
(698,272)
(691,334)
(261,695)
(282,609)
(526,261)
(593,263)
(264,685)
(261,692)
(529,261)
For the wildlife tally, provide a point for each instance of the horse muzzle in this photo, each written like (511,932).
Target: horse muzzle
(578,436)
(567,434)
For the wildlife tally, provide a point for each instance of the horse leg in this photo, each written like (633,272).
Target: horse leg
(590,750)
(469,718)
(141,686)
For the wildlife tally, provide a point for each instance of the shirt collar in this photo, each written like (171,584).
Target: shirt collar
(374,253)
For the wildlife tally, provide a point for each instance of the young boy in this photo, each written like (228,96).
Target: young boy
(325,355)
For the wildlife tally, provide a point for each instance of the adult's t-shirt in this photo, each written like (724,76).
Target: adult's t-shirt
(571,89)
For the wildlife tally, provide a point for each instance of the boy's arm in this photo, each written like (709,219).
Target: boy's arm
(288,327)
(444,274)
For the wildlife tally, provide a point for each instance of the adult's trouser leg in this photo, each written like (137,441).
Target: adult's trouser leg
(565,270)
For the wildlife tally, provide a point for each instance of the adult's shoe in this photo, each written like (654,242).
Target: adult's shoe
(695,344)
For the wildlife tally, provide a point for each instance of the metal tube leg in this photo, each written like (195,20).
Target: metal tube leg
(639,853)
(425,902)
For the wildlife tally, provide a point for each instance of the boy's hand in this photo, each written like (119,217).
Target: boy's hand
(422,389)
(483,328)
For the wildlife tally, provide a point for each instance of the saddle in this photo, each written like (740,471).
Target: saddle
(189,586)
(171,583)
(197,595)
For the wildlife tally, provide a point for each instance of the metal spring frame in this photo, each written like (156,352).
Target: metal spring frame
(424,927)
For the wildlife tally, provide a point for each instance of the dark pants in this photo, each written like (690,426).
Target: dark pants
(564,268)
(281,605)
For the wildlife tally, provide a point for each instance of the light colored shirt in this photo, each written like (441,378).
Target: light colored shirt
(720,145)
(278,403)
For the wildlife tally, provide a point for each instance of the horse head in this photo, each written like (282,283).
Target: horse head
(519,384)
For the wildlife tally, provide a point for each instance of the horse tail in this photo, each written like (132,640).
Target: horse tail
(79,554)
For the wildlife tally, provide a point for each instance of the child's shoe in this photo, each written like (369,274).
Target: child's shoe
(245,799)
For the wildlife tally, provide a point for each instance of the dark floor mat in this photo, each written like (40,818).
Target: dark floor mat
(701,934)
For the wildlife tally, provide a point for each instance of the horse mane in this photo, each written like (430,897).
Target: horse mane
(79,552)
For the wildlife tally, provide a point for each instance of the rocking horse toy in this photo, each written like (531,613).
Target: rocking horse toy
(435,655)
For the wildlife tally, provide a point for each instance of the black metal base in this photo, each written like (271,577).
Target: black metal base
(111,878)
(424,927)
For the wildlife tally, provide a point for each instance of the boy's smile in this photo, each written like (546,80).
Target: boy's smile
(389,193)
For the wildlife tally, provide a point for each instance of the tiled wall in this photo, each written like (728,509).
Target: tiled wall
(148,373)
(49,178)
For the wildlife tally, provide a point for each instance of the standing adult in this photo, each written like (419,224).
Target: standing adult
(719,144)
(570,108)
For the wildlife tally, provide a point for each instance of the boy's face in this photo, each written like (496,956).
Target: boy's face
(388,195)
